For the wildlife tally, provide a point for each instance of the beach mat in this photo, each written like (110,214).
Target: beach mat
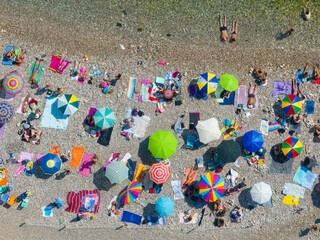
(281,88)
(294,190)
(39,74)
(141,127)
(105,136)
(194,117)
(5,61)
(136,120)
(74,200)
(309,107)
(230,100)
(55,150)
(86,164)
(131,218)
(131,86)
(242,96)
(77,154)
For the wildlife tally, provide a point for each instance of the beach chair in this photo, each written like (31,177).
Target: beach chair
(198,144)
(190,141)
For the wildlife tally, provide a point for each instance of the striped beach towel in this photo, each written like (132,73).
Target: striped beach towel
(274,127)
(74,200)
(131,85)
(227,132)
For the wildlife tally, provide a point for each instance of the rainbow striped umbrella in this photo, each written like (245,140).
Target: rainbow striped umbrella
(13,83)
(130,193)
(211,187)
(207,83)
(159,173)
(291,147)
(291,104)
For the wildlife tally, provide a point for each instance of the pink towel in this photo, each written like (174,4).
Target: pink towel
(38,157)
(18,170)
(55,65)
(113,157)
(26,155)
(145,81)
(242,95)
(86,164)
(19,110)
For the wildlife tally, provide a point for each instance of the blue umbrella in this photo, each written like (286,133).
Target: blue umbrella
(50,164)
(6,112)
(164,206)
(252,141)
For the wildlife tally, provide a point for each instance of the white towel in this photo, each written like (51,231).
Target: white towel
(141,127)
(176,187)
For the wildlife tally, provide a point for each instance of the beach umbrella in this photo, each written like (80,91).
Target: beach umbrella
(162,144)
(211,187)
(164,206)
(229,82)
(291,147)
(261,192)
(6,112)
(13,83)
(208,130)
(50,164)
(291,104)
(207,83)
(130,193)
(159,173)
(229,151)
(252,141)
(104,118)
(117,172)
(167,93)
(68,104)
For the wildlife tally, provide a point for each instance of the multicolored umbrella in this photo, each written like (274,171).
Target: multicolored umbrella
(207,83)
(6,112)
(104,118)
(50,164)
(162,144)
(291,147)
(252,141)
(159,173)
(130,193)
(211,187)
(68,104)
(164,206)
(291,104)
(229,82)
(13,83)
(117,172)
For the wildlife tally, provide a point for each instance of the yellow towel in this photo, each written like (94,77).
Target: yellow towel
(140,172)
(290,200)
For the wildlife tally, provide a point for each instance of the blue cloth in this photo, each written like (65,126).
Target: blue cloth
(300,175)
(155,220)
(131,218)
(268,204)
(309,180)
(136,118)
(230,100)
(309,107)
(300,77)
(6,61)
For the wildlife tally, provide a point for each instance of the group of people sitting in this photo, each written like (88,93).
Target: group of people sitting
(15,55)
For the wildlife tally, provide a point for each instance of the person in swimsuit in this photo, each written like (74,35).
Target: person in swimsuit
(315,73)
(234,31)
(290,30)
(223,30)
(10,55)
(252,95)
(34,76)
(130,122)
(306,71)
(296,90)
(297,118)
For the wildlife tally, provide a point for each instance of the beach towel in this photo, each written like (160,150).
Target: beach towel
(160,80)
(131,218)
(227,132)
(186,177)
(52,117)
(230,100)
(18,170)
(294,190)
(309,180)
(141,127)
(139,173)
(105,137)
(183,220)
(242,96)
(147,183)
(155,221)
(300,175)
(132,165)
(144,93)
(194,117)
(19,110)
(136,120)
(47,211)
(279,167)
(126,157)
(131,86)
(309,107)
(58,64)
(290,200)
(77,154)
(26,156)
(74,200)
(274,127)
(177,191)
(113,157)
(217,93)
(264,126)
(55,150)
(299,76)
(38,157)
(39,74)
(2,130)
(6,61)
(281,88)
(86,164)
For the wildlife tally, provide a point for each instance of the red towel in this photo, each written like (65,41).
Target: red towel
(74,200)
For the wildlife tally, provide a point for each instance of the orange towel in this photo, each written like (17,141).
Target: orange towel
(77,154)
(186,177)
(4,173)
(55,150)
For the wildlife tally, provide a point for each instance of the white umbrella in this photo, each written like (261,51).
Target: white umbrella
(208,130)
(261,192)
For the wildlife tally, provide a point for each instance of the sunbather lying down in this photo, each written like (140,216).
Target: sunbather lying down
(130,122)
(36,70)
(315,73)
(296,90)
(252,99)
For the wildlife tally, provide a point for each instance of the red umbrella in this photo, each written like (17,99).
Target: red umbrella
(167,93)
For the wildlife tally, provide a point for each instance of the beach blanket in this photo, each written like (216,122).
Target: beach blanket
(39,74)
(230,100)
(242,96)
(19,110)
(183,220)
(55,150)
(155,221)
(281,88)
(136,120)
(279,167)
(6,61)
(290,200)
(2,130)
(105,137)
(299,76)
(131,86)
(26,156)
(144,93)
(177,191)
(274,127)
(38,157)
(227,132)
(77,154)
(309,107)
(294,190)
(194,117)
(141,127)
(304,177)
(86,164)
(264,126)
(58,64)
(139,173)
(131,218)
(74,200)
(52,117)
(309,180)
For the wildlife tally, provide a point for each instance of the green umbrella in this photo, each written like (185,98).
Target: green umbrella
(229,82)
(117,172)
(162,144)
(104,118)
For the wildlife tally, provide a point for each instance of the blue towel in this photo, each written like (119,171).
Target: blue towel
(300,175)
(156,220)
(309,107)
(6,61)
(230,100)
(299,76)
(131,218)
(136,118)
(309,180)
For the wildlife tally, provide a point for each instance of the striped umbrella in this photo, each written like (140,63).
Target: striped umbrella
(291,147)
(207,83)
(68,104)
(291,104)
(117,172)
(50,164)
(211,187)
(104,118)
(130,193)
(13,83)
(159,173)
(6,112)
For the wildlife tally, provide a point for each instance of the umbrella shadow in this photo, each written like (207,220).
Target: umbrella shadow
(101,181)
(315,196)
(207,156)
(144,154)
(239,141)
(277,108)
(38,173)
(56,112)
(149,210)
(245,198)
